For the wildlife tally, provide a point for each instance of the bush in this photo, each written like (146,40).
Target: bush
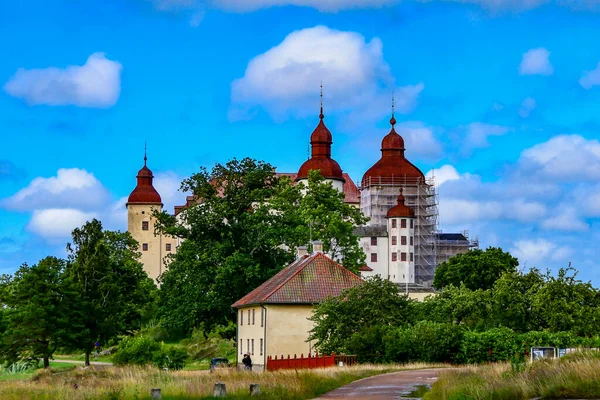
(171,357)
(498,344)
(136,350)
(201,346)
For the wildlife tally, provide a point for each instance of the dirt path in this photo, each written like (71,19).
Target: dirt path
(83,362)
(383,387)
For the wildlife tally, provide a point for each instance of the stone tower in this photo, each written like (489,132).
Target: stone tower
(401,231)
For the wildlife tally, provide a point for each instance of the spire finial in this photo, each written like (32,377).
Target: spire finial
(145,158)
(321,116)
(393,119)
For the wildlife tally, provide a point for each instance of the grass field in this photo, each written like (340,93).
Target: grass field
(135,383)
(57,367)
(575,376)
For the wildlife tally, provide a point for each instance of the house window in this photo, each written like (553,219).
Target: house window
(241,317)
(394,240)
(403,240)
(403,256)
(145,247)
(262,317)
(261,347)
(144,225)
(373,241)
(241,347)
(248,317)
(168,247)
(412,223)
(247,345)
(411,241)
(373,257)
(252,346)
(411,257)
(394,223)
(402,223)
(394,256)
(252,316)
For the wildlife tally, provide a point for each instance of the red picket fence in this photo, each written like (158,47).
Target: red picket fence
(311,361)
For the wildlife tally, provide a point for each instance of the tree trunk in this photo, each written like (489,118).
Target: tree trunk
(46,362)
(87,358)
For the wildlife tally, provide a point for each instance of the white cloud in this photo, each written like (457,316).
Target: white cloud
(536,62)
(286,78)
(443,174)
(167,184)
(478,134)
(57,223)
(565,219)
(569,158)
(456,210)
(527,107)
(70,188)
(591,78)
(539,250)
(97,84)
(419,139)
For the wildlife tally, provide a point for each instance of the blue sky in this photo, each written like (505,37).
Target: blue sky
(500,97)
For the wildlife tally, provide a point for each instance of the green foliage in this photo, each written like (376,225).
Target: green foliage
(143,350)
(498,344)
(171,357)
(375,302)
(476,269)
(216,343)
(113,287)
(235,237)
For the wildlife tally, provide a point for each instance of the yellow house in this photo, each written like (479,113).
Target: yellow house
(273,318)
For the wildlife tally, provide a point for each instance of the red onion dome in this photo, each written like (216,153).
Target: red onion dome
(400,210)
(144,192)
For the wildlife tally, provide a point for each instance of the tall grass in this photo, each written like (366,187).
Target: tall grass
(136,382)
(572,376)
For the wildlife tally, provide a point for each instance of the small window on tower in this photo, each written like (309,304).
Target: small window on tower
(168,247)
(373,257)
(394,240)
(373,241)
(403,240)
(394,223)
(394,256)
(145,247)
(402,256)
(143,212)
(144,225)
(411,257)
(402,223)
(412,223)
(411,241)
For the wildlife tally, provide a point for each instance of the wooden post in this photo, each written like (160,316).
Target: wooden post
(220,390)
(155,393)
(254,389)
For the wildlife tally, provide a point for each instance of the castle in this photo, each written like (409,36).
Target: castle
(401,240)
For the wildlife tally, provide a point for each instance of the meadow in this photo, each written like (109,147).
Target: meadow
(574,376)
(102,382)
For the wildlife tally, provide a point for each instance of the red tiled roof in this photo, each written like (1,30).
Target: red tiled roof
(307,280)
(365,268)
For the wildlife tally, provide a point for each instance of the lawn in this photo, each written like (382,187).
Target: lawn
(135,383)
(575,376)
(25,375)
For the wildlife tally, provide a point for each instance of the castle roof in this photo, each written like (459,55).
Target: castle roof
(308,280)
(144,192)
(400,210)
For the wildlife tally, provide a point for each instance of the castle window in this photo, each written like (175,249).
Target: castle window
(394,223)
(373,241)
(411,241)
(403,256)
(412,223)
(394,240)
(394,256)
(168,247)
(403,240)
(373,257)
(144,225)
(403,223)
(145,247)
(411,257)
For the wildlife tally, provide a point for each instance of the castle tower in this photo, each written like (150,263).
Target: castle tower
(143,200)
(401,230)
(379,189)
(320,143)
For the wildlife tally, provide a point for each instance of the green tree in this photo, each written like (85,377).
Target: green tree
(40,315)
(374,303)
(242,231)
(110,280)
(476,269)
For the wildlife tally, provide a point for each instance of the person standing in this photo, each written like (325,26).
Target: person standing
(247,361)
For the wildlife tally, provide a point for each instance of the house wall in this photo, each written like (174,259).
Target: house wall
(251,331)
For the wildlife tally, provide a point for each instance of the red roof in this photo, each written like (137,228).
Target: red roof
(144,192)
(401,209)
(308,280)
(365,268)
(320,144)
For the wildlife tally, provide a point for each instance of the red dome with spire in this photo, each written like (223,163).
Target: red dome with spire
(144,192)
(392,167)
(320,143)
(400,210)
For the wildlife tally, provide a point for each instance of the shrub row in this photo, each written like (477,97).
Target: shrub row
(143,350)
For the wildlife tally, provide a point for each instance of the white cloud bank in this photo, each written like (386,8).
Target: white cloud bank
(536,62)
(57,222)
(533,252)
(96,84)
(287,76)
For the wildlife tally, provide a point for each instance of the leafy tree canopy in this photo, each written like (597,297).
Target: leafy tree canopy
(242,231)
(476,269)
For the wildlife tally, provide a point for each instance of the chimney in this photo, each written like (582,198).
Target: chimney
(301,251)
(317,246)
